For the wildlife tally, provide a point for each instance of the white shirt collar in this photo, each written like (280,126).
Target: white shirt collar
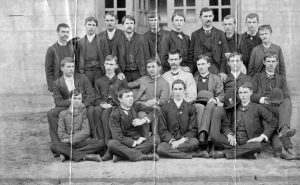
(245,105)
(252,34)
(178,103)
(111,33)
(61,44)
(126,109)
(205,74)
(236,75)
(90,38)
(267,46)
(207,29)
(269,74)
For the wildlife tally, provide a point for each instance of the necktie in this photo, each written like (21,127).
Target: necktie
(207,32)
(175,74)
(204,77)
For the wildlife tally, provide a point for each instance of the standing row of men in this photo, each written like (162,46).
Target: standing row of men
(113,62)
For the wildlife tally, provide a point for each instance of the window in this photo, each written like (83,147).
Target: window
(117,6)
(143,9)
(221,8)
(187,8)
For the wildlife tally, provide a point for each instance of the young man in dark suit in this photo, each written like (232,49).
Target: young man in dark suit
(127,142)
(56,53)
(61,90)
(210,41)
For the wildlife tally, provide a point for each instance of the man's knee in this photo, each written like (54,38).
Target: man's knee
(112,143)
(161,149)
(199,107)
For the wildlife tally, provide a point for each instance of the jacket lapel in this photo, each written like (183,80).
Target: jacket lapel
(64,86)
(210,82)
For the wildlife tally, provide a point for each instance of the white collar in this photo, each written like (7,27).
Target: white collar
(125,109)
(270,74)
(207,29)
(178,103)
(90,38)
(229,35)
(252,34)
(207,73)
(245,105)
(235,74)
(69,78)
(61,44)
(267,46)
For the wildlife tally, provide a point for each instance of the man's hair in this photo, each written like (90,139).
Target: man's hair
(66,60)
(90,19)
(156,60)
(246,84)
(230,17)
(130,17)
(174,52)
(111,13)
(177,14)
(234,54)
(252,15)
(111,57)
(265,27)
(204,57)
(178,81)
(205,9)
(75,92)
(271,54)
(153,14)
(122,91)
(62,25)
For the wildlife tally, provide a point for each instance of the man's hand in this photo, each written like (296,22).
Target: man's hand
(186,69)
(138,122)
(65,140)
(105,105)
(151,102)
(223,76)
(175,144)
(256,139)
(227,55)
(81,105)
(212,100)
(182,140)
(121,76)
(231,139)
(140,140)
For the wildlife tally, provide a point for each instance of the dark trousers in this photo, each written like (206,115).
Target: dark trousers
(93,75)
(131,154)
(204,114)
(132,75)
(102,123)
(79,150)
(53,114)
(182,152)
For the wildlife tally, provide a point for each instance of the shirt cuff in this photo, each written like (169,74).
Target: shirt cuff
(262,100)
(230,134)
(134,144)
(171,140)
(147,119)
(265,137)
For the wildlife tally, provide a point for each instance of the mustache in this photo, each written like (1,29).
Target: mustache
(208,21)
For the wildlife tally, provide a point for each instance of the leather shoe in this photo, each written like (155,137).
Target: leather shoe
(62,158)
(201,154)
(286,155)
(150,157)
(218,154)
(107,156)
(92,157)
(285,131)
(202,138)
(116,158)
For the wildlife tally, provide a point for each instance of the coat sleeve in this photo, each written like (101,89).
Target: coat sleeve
(89,92)
(84,133)
(49,68)
(164,133)
(272,122)
(135,84)
(219,89)
(226,125)
(224,49)
(251,65)
(255,97)
(165,93)
(61,130)
(141,58)
(146,47)
(193,129)
(165,47)
(284,88)
(191,89)
(98,96)
(281,64)
(58,98)
(191,49)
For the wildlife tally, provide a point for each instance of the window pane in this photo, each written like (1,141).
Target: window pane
(121,14)
(180,11)
(213,2)
(190,2)
(225,11)
(190,15)
(109,3)
(145,7)
(216,15)
(178,3)
(121,3)
(225,2)
(140,4)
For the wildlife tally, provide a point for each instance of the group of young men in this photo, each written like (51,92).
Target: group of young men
(125,96)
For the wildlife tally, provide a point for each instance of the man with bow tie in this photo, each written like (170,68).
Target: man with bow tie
(176,40)
(209,41)
(264,83)
(127,142)
(250,38)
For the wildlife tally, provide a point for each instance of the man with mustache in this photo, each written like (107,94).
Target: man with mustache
(56,53)
(209,41)
(129,50)
(91,52)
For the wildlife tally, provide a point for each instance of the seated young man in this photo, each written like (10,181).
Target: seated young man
(77,144)
(243,132)
(206,82)
(266,82)
(178,130)
(127,142)
(106,88)
(61,89)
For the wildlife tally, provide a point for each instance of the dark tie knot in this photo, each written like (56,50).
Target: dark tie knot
(175,74)
(203,77)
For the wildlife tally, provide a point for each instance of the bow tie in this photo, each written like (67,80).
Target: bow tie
(175,74)
(207,32)
(250,36)
(270,76)
(203,77)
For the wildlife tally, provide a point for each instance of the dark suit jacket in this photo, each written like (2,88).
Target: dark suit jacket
(120,52)
(231,84)
(122,129)
(178,122)
(215,85)
(52,63)
(219,46)
(171,42)
(61,92)
(104,37)
(259,88)
(253,120)
(102,47)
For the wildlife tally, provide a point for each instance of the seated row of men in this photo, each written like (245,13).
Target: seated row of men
(131,124)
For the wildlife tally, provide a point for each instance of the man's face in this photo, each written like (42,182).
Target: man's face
(207,18)
(251,24)
(127,99)
(178,23)
(90,27)
(202,66)
(265,35)
(270,63)
(129,25)
(68,69)
(174,61)
(245,94)
(228,25)
(77,100)
(63,34)
(110,66)
(178,91)
(153,69)
(110,22)
(153,22)
(235,63)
